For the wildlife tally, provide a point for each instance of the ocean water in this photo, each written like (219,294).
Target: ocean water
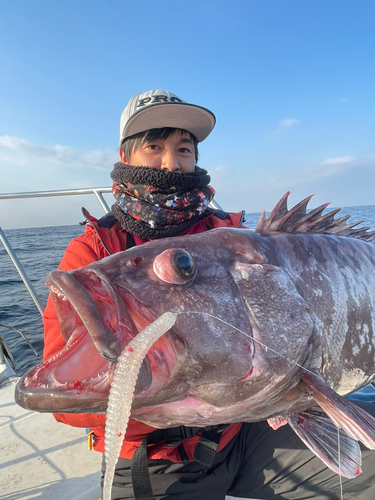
(40,251)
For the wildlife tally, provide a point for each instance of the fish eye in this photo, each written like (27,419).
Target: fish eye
(183,263)
(175,266)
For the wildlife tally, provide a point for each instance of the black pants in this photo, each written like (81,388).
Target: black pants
(258,463)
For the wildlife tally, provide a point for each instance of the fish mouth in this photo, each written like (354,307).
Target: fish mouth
(60,386)
(97,321)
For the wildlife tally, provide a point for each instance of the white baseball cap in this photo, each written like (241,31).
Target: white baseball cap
(160,108)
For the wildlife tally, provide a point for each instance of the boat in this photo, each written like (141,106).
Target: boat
(41,458)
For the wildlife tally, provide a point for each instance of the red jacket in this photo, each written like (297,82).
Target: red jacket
(96,243)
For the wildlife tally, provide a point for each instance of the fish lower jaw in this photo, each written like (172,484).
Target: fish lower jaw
(90,383)
(98,383)
(42,392)
(78,365)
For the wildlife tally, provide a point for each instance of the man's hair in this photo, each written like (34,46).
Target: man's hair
(134,142)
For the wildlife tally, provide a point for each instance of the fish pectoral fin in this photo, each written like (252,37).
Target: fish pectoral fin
(357,423)
(341,453)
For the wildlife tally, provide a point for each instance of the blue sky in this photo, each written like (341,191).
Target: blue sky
(291,83)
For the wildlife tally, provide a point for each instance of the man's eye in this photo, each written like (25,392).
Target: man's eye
(184,150)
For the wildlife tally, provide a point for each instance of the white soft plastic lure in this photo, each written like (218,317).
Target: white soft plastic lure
(122,390)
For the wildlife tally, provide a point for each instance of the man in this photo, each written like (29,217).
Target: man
(160,192)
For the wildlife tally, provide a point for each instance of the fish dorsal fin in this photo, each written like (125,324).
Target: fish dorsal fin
(298,220)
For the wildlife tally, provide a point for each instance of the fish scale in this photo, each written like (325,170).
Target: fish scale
(270,324)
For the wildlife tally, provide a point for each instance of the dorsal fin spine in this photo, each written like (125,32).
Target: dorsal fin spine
(297,220)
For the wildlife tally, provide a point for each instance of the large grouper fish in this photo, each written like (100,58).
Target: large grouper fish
(275,324)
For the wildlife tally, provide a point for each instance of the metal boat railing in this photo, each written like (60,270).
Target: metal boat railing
(98,192)
(17,264)
(61,192)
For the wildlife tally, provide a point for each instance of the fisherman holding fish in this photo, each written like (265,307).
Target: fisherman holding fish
(161,192)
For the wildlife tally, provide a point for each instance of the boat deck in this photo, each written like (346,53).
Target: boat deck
(41,458)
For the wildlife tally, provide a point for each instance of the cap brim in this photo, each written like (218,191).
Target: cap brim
(194,119)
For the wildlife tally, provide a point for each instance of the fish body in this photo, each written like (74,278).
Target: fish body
(267,322)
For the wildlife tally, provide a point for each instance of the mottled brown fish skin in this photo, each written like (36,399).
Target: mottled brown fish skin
(301,301)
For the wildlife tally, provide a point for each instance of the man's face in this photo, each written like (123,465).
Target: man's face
(176,154)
